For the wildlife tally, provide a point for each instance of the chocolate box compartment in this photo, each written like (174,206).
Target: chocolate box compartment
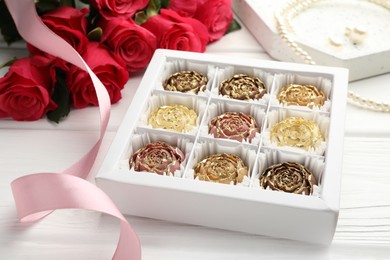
(277,115)
(232,207)
(175,66)
(268,157)
(206,147)
(164,98)
(322,84)
(219,107)
(227,72)
(141,137)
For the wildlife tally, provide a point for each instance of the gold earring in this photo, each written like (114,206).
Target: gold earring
(335,41)
(356,34)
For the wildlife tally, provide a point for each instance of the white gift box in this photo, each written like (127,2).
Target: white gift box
(315,26)
(245,207)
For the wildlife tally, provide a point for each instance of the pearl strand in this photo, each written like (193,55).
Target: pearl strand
(283,19)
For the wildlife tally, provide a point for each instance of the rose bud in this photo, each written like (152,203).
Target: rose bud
(243,87)
(186,82)
(301,95)
(184,7)
(70,24)
(158,157)
(297,132)
(221,168)
(216,15)
(288,177)
(107,66)
(175,32)
(133,43)
(26,89)
(234,125)
(112,9)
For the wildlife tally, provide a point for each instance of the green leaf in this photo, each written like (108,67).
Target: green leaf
(234,26)
(7,25)
(44,6)
(61,96)
(95,34)
(165,3)
(92,16)
(85,2)
(140,17)
(68,3)
(153,8)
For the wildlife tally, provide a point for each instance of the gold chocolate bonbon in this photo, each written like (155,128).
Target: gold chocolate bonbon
(288,177)
(173,117)
(186,82)
(296,132)
(301,95)
(221,168)
(242,87)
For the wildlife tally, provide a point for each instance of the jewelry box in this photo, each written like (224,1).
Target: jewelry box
(245,206)
(350,34)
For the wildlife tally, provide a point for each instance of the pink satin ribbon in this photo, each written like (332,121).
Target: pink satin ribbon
(37,195)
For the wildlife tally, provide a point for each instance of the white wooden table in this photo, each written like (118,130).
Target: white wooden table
(363,230)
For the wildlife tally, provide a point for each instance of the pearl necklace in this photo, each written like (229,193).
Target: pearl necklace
(283,25)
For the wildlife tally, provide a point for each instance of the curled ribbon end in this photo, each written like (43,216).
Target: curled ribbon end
(24,206)
(37,195)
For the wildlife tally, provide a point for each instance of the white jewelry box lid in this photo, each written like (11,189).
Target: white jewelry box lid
(224,206)
(313,27)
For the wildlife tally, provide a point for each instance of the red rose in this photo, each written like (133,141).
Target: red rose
(183,7)
(108,67)
(26,89)
(68,23)
(216,15)
(133,43)
(111,9)
(176,32)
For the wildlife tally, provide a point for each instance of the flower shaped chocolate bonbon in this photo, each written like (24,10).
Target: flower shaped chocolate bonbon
(234,125)
(173,117)
(242,87)
(158,157)
(186,82)
(288,177)
(301,95)
(296,132)
(221,168)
